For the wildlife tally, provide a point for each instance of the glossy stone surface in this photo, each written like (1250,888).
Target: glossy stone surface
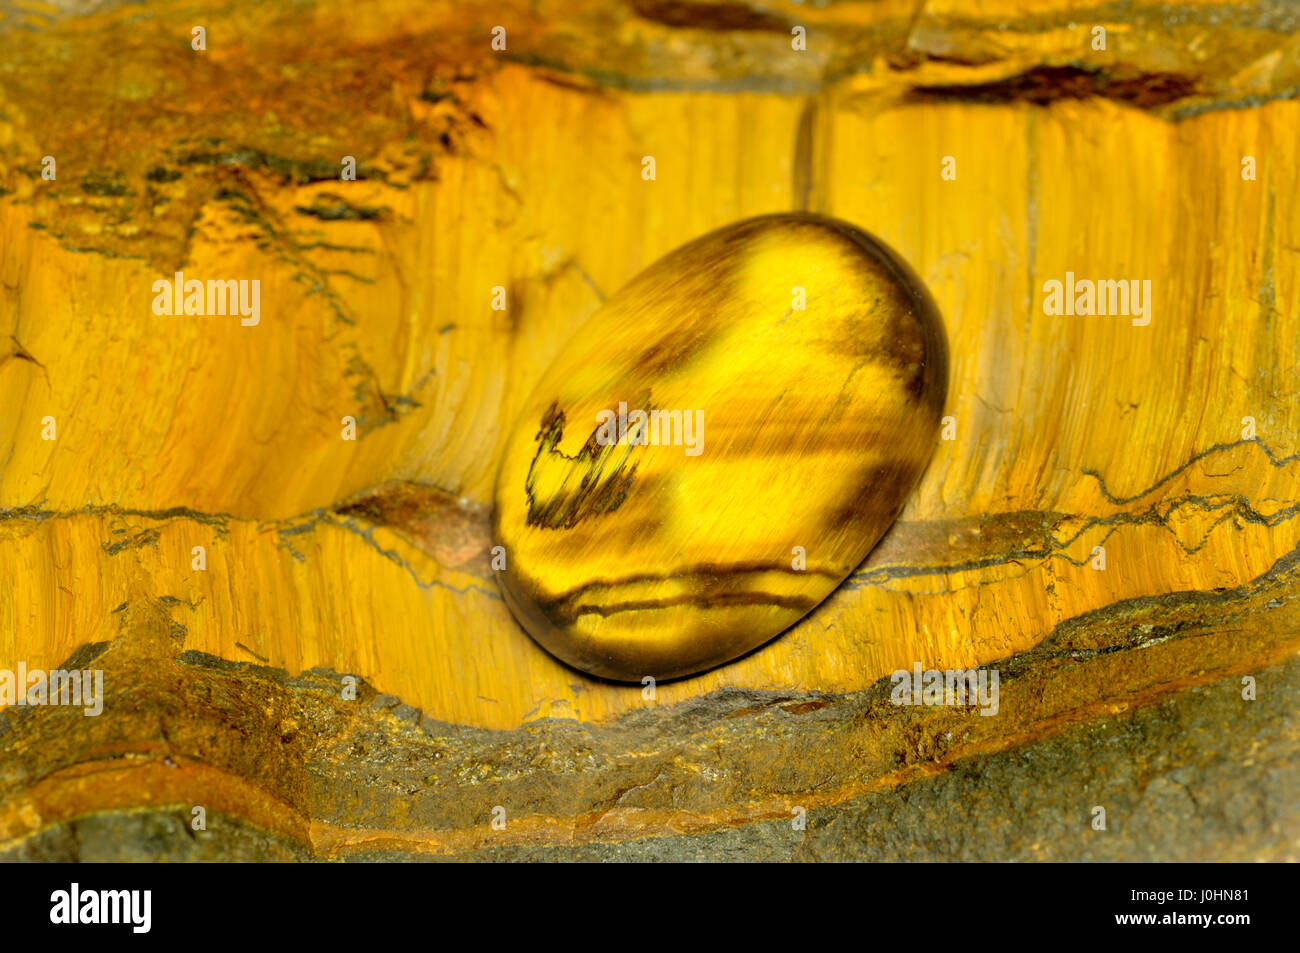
(812,424)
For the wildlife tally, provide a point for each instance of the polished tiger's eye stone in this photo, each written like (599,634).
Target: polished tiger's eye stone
(718,447)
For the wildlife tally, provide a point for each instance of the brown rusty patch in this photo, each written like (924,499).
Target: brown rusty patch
(709,16)
(1046,84)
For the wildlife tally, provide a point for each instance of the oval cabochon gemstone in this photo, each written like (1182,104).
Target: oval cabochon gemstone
(719,447)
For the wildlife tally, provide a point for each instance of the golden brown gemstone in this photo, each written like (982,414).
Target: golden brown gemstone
(719,447)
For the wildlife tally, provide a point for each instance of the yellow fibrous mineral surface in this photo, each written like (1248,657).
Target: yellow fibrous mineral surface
(718,447)
(1171,446)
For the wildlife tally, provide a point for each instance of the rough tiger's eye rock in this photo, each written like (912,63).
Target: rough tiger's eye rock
(719,447)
